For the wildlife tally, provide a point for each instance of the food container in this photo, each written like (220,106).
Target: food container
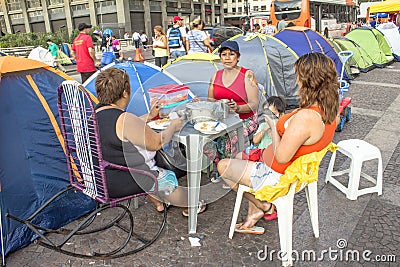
(203,111)
(169,94)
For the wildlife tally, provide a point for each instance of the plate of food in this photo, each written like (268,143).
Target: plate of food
(210,127)
(160,124)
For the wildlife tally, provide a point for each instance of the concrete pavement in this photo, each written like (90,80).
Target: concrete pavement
(368,226)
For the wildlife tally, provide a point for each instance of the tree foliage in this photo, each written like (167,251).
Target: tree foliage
(39,38)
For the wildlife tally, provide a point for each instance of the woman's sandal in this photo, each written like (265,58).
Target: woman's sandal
(201,207)
(271,213)
(255,230)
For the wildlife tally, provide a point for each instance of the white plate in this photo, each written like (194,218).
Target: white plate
(158,124)
(208,127)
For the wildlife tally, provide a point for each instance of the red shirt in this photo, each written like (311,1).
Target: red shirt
(236,90)
(81,45)
(326,138)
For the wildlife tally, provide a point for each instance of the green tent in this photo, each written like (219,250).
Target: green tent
(351,67)
(374,43)
(360,58)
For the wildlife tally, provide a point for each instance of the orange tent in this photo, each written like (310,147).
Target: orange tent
(11,64)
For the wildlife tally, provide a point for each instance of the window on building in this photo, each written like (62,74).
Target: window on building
(34,14)
(172,4)
(33,3)
(80,7)
(225,11)
(225,1)
(16,16)
(255,8)
(233,9)
(55,2)
(54,11)
(263,8)
(186,5)
(14,5)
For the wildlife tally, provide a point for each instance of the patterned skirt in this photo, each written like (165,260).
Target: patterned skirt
(226,146)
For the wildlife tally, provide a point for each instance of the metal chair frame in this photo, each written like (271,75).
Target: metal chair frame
(86,168)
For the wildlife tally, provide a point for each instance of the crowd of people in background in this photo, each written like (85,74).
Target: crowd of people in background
(180,40)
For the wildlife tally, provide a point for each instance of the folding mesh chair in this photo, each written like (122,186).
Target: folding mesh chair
(86,168)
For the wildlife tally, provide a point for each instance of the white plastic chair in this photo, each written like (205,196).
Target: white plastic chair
(284,205)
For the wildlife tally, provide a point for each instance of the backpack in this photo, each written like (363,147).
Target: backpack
(175,38)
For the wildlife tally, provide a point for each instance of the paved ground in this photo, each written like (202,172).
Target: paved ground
(369,225)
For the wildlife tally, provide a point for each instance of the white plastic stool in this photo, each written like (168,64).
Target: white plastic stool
(358,151)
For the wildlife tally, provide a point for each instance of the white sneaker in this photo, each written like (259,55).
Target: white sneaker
(215,180)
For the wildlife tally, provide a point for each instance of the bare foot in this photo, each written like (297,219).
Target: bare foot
(253,218)
(159,205)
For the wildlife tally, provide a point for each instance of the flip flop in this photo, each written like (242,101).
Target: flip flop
(201,207)
(255,230)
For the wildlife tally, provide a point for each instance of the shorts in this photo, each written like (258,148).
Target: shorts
(167,181)
(262,175)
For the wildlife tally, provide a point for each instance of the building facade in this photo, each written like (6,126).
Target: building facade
(119,15)
(235,10)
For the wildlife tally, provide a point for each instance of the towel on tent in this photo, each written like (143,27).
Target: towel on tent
(304,169)
(63,59)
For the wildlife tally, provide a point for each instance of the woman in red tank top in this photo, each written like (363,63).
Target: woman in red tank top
(239,86)
(308,129)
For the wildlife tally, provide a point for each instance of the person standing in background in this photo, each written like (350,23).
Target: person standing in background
(136,39)
(144,40)
(269,29)
(177,38)
(197,40)
(282,23)
(126,35)
(160,46)
(53,49)
(257,28)
(82,51)
(246,30)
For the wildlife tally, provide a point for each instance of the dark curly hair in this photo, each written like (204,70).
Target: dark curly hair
(111,84)
(318,81)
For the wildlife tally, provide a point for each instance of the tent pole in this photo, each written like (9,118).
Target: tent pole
(141,85)
(3,256)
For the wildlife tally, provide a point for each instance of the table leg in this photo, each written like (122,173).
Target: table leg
(194,153)
(240,138)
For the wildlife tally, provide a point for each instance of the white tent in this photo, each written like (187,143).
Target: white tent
(392,36)
(41,54)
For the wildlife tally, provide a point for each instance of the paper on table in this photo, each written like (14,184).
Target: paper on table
(194,241)
(173,115)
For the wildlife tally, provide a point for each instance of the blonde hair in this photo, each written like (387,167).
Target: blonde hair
(196,23)
(160,29)
(319,84)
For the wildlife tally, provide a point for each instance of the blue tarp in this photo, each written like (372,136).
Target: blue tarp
(379,15)
(143,76)
(33,166)
(304,40)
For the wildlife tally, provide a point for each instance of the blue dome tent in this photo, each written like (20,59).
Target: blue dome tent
(303,40)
